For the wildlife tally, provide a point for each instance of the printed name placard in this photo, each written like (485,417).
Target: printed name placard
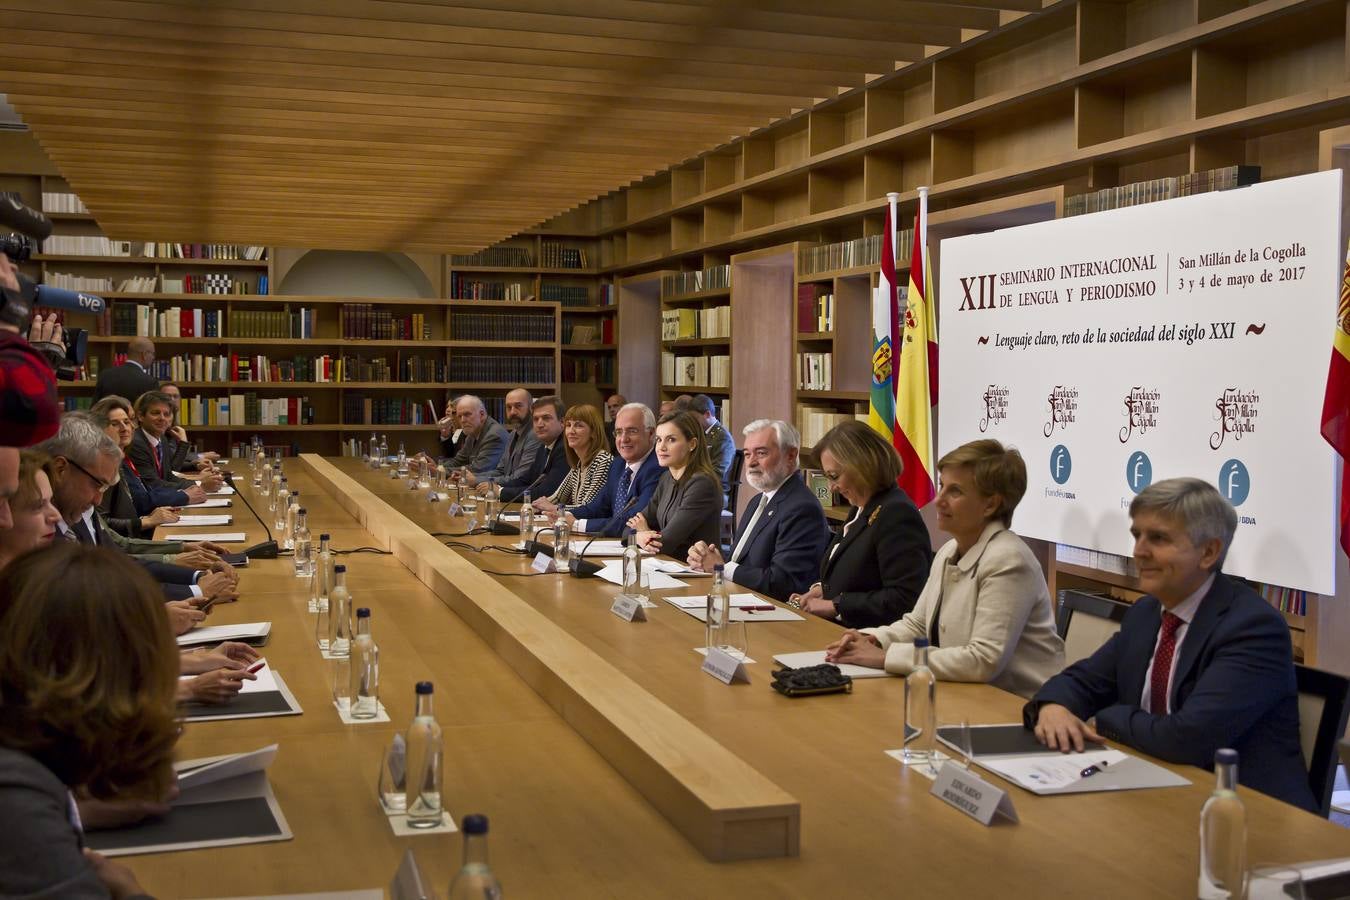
(971,794)
(543,563)
(724,667)
(628,608)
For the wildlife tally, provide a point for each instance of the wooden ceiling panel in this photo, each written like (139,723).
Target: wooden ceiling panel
(422,126)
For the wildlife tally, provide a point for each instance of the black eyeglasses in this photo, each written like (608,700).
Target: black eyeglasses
(103,487)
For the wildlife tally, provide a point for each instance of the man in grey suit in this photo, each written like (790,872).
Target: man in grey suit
(132,378)
(484,438)
(521,443)
(721,446)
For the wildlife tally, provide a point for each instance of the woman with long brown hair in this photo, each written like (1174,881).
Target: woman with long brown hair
(687,504)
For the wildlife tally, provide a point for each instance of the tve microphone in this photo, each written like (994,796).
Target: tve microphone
(71,301)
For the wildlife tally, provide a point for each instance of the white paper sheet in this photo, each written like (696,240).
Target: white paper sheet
(214,634)
(738,601)
(198,521)
(816,657)
(1051,771)
(219,537)
(223,491)
(612,571)
(197,772)
(211,503)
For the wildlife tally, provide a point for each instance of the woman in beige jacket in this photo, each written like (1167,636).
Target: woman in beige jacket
(985,608)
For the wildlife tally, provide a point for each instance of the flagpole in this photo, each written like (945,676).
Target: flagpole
(893,198)
(922,235)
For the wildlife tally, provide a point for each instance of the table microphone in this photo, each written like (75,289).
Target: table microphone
(577,566)
(268,548)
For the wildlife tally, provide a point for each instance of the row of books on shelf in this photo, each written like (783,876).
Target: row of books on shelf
(566,294)
(513,369)
(365,321)
(214,283)
(589,332)
(815,371)
(464,288)
(284,323)
(553,255)
(815,307)
(605,296)
(696,371)
(1221,179)
(245,409)
(59,202)
(709,279)
(359,409)
(589,369)
(507,257)
(149,320)
(813,421)
(321,368)
(98,245)
(1095,559)
(863,251)
(501,326)
(687,322)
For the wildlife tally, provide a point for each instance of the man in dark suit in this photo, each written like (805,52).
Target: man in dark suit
(132,378)
(782,534)
(521,443)
(721,447)
(550,465)
(1200,663)
(632,476)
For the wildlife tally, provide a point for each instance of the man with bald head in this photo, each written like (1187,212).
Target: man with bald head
(484,438)
(521,443)
(132,378)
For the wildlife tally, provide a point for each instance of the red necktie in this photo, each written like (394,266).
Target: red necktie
(159,461)
(1162,664)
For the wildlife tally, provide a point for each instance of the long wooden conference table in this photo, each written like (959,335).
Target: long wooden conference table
(610,765)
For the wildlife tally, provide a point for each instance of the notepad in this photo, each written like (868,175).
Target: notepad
(612,571)
(808,658)
(273,698)
(222,491)
(213,503)
(198,521)
(218,537)
(214,634)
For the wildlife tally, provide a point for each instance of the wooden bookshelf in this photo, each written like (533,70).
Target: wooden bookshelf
(696,329)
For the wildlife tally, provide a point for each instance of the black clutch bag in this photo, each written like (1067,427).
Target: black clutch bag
(821,679)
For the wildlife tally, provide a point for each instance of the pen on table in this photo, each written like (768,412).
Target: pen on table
(763,607)
(1094,769)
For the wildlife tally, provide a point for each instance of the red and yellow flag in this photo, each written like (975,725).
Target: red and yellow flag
(1336,405)
(916,377)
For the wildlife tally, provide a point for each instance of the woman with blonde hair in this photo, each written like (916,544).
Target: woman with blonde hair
(587,449)
(88,674)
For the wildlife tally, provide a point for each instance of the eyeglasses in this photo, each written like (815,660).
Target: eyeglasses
(103,486)
(629,432)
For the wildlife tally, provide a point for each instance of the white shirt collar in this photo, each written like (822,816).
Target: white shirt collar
(137,365)
(154,441)
(634,466)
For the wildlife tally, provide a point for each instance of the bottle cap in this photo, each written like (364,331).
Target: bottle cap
(1225,757)
(302,511)
(718,568)
(363,613)
(325,537)
(920,643)
(475,824)
(423,687)
(339,568)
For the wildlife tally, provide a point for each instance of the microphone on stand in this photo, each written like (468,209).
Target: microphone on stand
(268,548)
(577,566)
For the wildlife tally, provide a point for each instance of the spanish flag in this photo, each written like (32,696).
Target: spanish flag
(1336,405)
(916,388)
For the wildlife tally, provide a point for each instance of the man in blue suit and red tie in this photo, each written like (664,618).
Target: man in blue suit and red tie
(1200,663)
(632,476)
(782,533)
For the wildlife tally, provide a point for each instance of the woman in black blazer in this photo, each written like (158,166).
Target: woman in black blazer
(873,572)
(686,506)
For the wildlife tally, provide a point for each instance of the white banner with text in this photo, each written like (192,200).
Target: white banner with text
(1186,337)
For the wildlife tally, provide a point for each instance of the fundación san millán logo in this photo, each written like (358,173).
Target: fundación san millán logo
(1138,471)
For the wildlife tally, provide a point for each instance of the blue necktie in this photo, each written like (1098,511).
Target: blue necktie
(625,486)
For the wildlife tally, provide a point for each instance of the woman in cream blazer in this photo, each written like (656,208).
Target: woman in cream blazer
(985,608)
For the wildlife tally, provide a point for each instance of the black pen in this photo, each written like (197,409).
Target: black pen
(1093,769)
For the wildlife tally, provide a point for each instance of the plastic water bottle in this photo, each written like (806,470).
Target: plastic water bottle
(921,708)
(717,611)
(302,548)
(323,575)
(526,517)
(475,880)
(632,565)
(339,615)
(292,511)
(424,763)
(1223,834)
(562,544)
(365,670)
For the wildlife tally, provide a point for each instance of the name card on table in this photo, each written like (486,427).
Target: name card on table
(971,794)
(724,667)
(630,609)
(543,563)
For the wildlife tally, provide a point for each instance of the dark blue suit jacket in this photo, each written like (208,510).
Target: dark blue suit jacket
(1234,687)
(608,515)
(546,473)
(146,498)
(784,552)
